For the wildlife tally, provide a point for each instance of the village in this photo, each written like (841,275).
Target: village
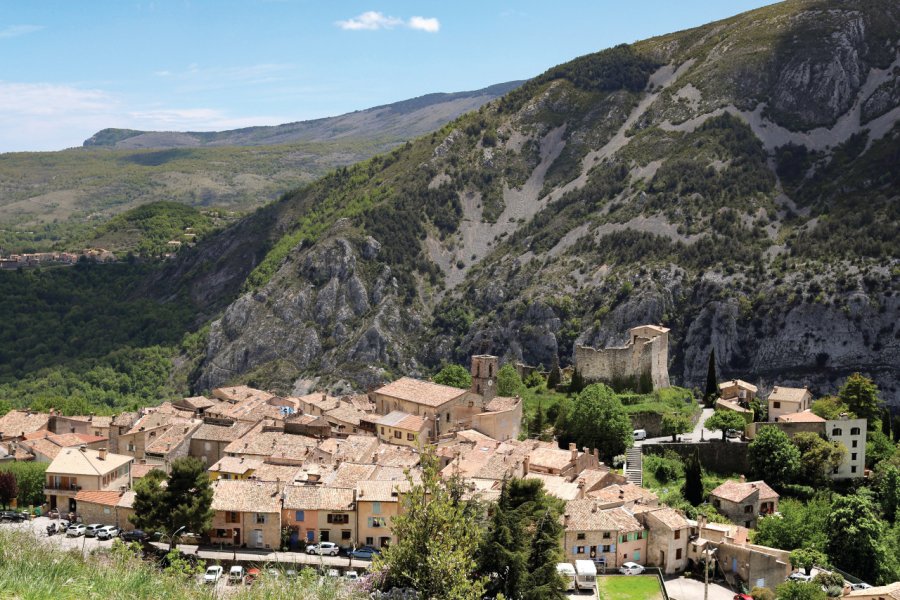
(288,472)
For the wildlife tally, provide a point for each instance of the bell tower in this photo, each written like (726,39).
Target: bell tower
(484,375)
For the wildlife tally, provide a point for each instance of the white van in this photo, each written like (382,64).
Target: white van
(585,575)
(639,434)
(567,572)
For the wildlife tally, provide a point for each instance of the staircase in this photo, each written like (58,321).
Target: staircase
(634,472)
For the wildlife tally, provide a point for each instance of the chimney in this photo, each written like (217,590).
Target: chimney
(574,450)
(526,465)
(743,478)
(594,507)
(565,520)
(102,454)
(581,483)
(597,454)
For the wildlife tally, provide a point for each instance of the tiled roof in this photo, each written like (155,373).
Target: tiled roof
(320,401)
(551,458)
(347,475)
(891,590)
(739,383)
(390,455)
(19,422)
(729,405)
(271,472)
(402,420)
(125,419)
(502,403)
(240,393)
(670,517)
(99,497)
(421,392)
(380,491)
(211,432)
(586,515)
(556,486)
(346,413)
(127,500)
(246,496)
(171,438)
(99,421)
(735,491)
(75,461)
(626,492)
(236,465)
(310,497)
(141,469)
(361,402)
(805,416)
(787,394)
(199,402)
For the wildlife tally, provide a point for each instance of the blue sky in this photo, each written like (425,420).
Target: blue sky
(70,68)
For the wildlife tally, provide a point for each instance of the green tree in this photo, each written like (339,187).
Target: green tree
(807,558)
(761,593)
(503,553)
(860,394)
(798,524)
(438,535)
(886,421)
(723,420)
(454,376)
(543,581)
(854,536)
(773,457)
(534,380)
(555,375)
(889,492)
(798,590)
(830,407)
(30,478)
(596,419)
(818,458)
(9,489)
(577,383)
(674,424)
(508,381)
(184,502)
(879,447)
(537,423)
(693,480)
(712,384)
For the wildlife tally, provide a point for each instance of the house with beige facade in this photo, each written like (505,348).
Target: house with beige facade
(852,434)
(82,469)
(317,513)
(744,501)
(209,441)
(787,400)
(377,503)
(16,424)
(738,559)
(609,537)
(668,536)
(403,429)
(890,591)
(247,514)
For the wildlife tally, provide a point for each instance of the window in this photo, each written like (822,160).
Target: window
(300,515)
(855,442)
(338,518)
(678,554)
(345,534)
(854,431)
(377,522)
(580,550)
(398,434)
(370,541)
(207,446)
(220,533)
(853,469)
(776,404)
(105,510)
(448,417)
(836,432)
(677,534)
(382,430)
(580,536)
(410,437)
(853,456)
(131,446)
(605,535)
(606,548)
(748,508)
(232,517)
(261,518)
(622,539)
(325,535)
(376,508)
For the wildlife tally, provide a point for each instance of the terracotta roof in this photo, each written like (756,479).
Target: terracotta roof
(346,413)
(19,422)
(390,455)
(211,432)
(805,416)
(99,497)
(586,515)
(236,465)
(891,590)
(402,420)
(320,401)
(199,402)
(556,486)
(361,402)
(735,491)
(309,497)
(171,438)
(502,403)
(347,475)
(100,421)
(670,517)
(380,491)
(729,405)
(787,394)
(141,469)
(421,392)
(125,419)
(246,496)
(127,500)
(739,383)
(240,393)
(551,458)
(626,492)
(286,474)
(74,461)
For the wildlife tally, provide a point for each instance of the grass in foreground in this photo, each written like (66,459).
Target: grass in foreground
(32,570)
(636,587)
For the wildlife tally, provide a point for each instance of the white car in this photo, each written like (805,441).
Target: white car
(860,586)
(800,576)
(351,575)
(631,568)
(108,532)
(92,529)
(75,530)
(213,574)
(323,548)
(236,574)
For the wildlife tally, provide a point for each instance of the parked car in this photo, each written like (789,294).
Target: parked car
(733,433)
(323,548)
(351,575)
(13,516)
(860,586)
(639,434)
(631,568)
(236,574)
(365,553)
(567,572)
(800,576)
(92,529)
(108,532)
(75,530)
(53,513)
(213,574)
(252,575)
(135,535)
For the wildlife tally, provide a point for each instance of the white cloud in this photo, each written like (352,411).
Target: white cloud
(429,24)
(12,31)
(373,20)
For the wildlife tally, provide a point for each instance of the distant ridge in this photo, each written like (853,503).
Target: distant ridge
(400,120)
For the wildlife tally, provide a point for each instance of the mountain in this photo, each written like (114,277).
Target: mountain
(57,199)
(398,121)
(736,182)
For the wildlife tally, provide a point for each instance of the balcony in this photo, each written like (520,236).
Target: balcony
(59,488)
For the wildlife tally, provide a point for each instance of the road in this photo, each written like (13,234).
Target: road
(700,433)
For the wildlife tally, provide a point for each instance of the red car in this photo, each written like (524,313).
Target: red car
(743,597)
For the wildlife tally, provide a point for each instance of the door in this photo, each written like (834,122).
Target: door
(257,538)
(734,565)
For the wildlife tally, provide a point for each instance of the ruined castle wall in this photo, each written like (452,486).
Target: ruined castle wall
(641,359)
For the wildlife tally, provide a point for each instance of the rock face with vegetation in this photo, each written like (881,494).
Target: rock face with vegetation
(735,182)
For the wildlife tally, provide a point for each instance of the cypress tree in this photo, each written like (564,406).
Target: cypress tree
(577,383)
(886,422)
(504,550)
(555,376)
(712,382)
(543,580)
(693,480)
(897,429)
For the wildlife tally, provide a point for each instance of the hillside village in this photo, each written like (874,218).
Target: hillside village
(288,471)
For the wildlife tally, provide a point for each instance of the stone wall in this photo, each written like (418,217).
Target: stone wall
(712,454)
(642,363)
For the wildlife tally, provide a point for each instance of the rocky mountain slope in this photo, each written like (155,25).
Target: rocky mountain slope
(736,182)
(55,199)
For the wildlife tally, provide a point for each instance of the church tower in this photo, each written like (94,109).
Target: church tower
(484,376)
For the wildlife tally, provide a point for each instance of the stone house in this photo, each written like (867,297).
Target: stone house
(668,536)
(609,537)
(744,501)
(45,446)
(99,506)
(626,494)
(85,425)
(738,559)
(852,434)
(77,469)
(234,467)
(16,424)
(420,398)
(247,514)
(209,441)
(172,444)
(403,429)
(787,400)
(320,514)
(377,503)
(737,390)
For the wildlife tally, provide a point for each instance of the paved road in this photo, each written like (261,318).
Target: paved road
(700,433)
(683,588)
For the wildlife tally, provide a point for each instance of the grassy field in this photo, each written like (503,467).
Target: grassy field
(637,587)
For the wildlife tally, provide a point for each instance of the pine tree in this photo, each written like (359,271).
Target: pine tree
(896,428)
(543,579)
(693,480)
(712,383)
(537,423)
(9,488)
(886,422)
(504,551)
